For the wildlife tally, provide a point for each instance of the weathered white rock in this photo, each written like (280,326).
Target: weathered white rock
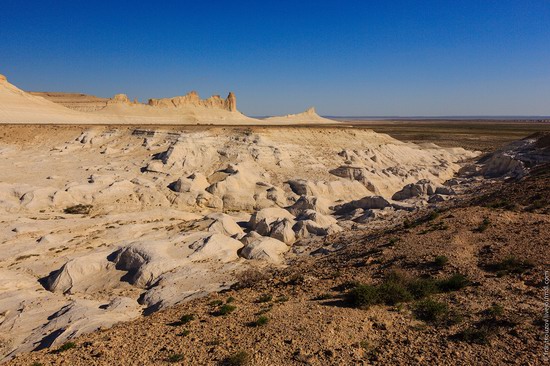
(268,249)
(81,274)
(305,203)
(320,219)
(215,246)
(365,203)
(269,215)
(194,182)
(282,230)
(224,224)
(421,188)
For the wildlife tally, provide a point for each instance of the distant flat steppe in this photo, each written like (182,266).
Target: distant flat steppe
(481,135)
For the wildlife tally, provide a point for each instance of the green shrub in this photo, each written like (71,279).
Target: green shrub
(215,303)
(67,346)
(474,335)
(262,320)
(422,287)
(176,357)
(397,288)
(183,333)
(453,283)
(230,300)
(225,310)
(510,265)
(483,226)
(295,279)
(265,309)
(431,311)
(392,293)
(495,310)
(368,348)
(440,261)
(240,358)
(392,241)
(183,320)
(265,298)
(363,296)
(187,318)
(397,277)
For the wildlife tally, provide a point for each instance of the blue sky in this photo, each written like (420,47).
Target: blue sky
(349,58)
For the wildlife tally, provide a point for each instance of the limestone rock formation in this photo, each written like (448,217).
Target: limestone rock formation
(267,249)
(193,99)
(365,203)
(120,99)
(421,188)
(513,160)
(231,102)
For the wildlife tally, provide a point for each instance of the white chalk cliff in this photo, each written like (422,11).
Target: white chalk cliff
(18,106)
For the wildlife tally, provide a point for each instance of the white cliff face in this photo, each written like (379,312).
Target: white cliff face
(20,107)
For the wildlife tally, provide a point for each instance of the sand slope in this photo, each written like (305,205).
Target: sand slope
(309,116)
(18,106)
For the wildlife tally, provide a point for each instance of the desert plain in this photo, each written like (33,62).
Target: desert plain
(182,231)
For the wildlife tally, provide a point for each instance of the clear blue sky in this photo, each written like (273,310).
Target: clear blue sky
(432,57)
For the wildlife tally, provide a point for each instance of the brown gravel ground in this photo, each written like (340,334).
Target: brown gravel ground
(310,323)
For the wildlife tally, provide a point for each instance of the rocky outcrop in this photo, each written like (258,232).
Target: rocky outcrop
(267,249)
(231,102)
(120,99)
(365,203)
(193,99)
(89,103)
(421,188)
(513,160)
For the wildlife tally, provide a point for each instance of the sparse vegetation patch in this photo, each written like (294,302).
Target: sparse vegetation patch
(440,261)
(176,357)
(483,226)
(262,320)
(265,298)
(397,289)
(225,310)
(435,312)
(510,265)
(240,358)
